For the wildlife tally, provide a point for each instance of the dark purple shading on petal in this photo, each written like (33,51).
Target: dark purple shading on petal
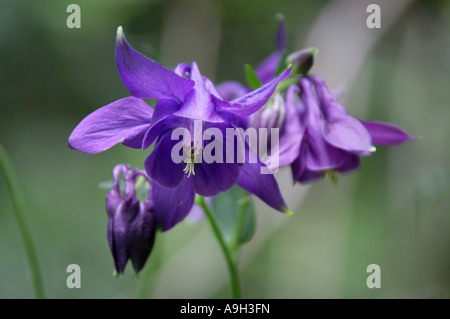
(351,163)
(125,120)
(264,186)
(172,205)
(212,179)
(386,133)
(300,172)
(160,166)
(145,78)
(321,155)
(141,235)
(251,102)
(161,127)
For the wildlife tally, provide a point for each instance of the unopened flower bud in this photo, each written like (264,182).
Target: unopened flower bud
(302,61)
(131,222)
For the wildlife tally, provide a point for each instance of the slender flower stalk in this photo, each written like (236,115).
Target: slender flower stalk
(19,210)
(230,257)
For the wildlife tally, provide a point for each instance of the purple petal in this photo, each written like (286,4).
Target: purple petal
(231,90)
(212,179)
(118,227)
(145,78)
(281,35)
(341,130)
(292,130)
(351,163)
(320,154)
(251,102)
(160,166)
(164,108)
(161,127)
(386,133)
(172,205)
(125,120)
(300,173)
(117,244)
(347,133)
(113,198)
(141,235)
(197,104)
(288,149)
(183,70)
(264,186)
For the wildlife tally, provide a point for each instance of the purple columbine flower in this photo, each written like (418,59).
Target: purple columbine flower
(317,135)
(331,139)
(131,222)
(184,95)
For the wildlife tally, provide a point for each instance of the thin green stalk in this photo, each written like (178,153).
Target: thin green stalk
(229,256)
(18,203)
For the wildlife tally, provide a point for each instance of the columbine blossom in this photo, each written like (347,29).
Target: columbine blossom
(332,140)
(184,95)
(317,135)
(131,222)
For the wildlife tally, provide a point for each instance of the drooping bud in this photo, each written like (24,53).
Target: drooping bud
(302,61)
(131,222)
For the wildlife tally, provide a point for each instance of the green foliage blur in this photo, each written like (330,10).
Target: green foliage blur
(394,212)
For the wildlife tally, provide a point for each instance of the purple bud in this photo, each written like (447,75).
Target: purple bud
(302,61)
(281,33)
(131,222)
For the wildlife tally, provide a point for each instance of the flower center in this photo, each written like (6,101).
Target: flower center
(191,157)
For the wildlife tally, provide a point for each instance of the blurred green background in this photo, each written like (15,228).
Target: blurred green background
(394,212)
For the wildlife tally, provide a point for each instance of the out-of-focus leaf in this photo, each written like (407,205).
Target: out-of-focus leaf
(252,78)
(281,64)
(227,207)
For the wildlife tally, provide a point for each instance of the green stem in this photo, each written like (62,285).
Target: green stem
(18,203)
(229,256)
